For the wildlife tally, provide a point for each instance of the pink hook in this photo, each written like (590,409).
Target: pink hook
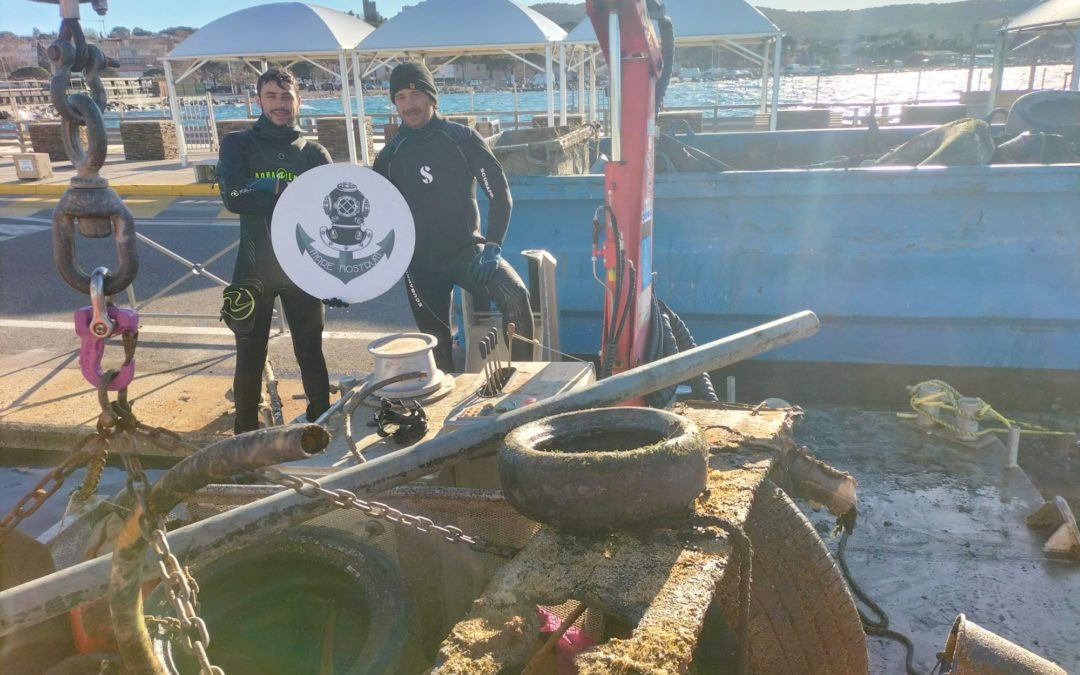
(92,346)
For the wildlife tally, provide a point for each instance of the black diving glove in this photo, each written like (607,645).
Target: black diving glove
(486,263)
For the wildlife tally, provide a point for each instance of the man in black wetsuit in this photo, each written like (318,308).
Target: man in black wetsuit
(436,164)
(254,167)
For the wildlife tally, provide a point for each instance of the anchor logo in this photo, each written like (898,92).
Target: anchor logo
(347,208)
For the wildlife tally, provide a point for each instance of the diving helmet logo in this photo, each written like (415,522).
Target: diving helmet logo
(347,208)
(342,231)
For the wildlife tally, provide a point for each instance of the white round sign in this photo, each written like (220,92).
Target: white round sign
(343,231)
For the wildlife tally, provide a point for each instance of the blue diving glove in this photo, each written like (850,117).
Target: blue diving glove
(485,263)
(269,185)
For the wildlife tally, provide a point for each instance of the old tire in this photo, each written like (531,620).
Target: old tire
(269,607)
(611,467)
(1051,112)
(802,616)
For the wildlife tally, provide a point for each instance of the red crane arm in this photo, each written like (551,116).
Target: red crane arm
(634,66)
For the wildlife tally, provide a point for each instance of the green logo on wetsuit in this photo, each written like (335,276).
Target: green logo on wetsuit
(280,174)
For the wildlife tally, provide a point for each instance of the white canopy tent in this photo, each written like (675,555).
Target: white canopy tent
(455,28)
(732,24)
(280,31)
(1042,18)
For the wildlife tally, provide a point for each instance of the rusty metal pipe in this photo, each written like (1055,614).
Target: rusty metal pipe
(973,650)
(214,463)
(40,599)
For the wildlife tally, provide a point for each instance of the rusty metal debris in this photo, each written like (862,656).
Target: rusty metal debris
(216,462)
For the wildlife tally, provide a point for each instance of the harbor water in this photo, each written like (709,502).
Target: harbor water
(720,98)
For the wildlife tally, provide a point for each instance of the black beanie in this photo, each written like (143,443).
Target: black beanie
(412,75)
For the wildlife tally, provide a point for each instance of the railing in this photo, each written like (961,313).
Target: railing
(201,133)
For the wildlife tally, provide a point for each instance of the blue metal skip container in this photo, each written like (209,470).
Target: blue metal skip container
(941,266)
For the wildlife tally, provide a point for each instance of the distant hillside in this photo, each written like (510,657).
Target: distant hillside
(951,19)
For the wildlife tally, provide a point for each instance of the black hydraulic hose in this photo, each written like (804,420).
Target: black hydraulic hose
(702,384)
(662,343)
(609,348)
(880,627)
(629,301)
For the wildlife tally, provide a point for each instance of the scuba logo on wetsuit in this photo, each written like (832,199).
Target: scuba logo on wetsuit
(280,174)
(347,208)
(425,175)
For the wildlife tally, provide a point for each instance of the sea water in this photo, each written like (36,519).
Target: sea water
(722,97)
(851,89)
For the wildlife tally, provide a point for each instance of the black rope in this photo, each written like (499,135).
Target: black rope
(880,627)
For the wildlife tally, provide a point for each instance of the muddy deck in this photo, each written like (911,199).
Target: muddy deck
(942,531)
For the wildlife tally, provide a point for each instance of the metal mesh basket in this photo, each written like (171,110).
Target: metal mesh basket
(544,151)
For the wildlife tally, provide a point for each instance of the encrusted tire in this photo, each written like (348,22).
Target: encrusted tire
(802,616)
(284,605)
(603,468)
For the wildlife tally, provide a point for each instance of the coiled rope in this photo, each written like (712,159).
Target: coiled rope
(944,396)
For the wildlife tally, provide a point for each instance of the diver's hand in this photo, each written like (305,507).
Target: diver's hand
(486,262)
(335,302)
(272,186)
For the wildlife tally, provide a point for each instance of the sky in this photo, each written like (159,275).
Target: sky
(22,16)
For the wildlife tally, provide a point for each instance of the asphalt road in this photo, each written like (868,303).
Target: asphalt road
(36,305)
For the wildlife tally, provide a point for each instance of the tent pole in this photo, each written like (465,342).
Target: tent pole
(974,49)
(549,77)
(358,85)
(998,71)
(764,78)
(581,84)
(174,109)
(346,105)
(1074,81)
(773,115)
(594,115)
(562,84)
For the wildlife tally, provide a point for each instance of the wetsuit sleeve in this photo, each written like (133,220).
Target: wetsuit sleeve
(379,165)
(318,155)
(489,174)
(239,191)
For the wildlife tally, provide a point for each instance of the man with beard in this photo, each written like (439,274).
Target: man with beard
(436,164)
(254,166)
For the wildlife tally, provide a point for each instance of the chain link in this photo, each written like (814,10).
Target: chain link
(90,451)
(179,585)
(52,482)
(95,468)
(347,500)
(89,202)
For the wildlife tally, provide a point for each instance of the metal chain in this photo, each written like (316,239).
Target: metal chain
(347,500)
(179,586)
(91,451)
(89,203)
(70,52)
(53,481)
(95,468)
